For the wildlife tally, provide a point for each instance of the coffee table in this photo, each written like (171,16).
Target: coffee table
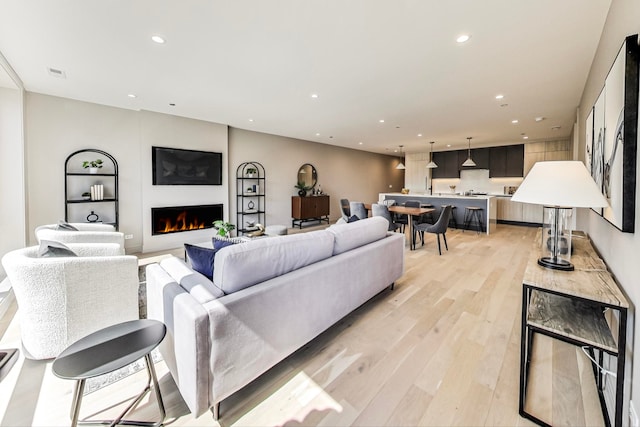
(105,351)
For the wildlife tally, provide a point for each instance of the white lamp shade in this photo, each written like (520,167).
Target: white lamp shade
(469,162)
(431,165)
(560,183)
(400,166)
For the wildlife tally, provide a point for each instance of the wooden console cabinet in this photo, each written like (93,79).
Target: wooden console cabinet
(309,208)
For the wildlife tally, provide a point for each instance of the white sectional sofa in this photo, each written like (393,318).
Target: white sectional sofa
(268,298)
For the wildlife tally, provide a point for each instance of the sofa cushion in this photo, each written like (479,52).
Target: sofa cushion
(50,248)
(201,259)
(201,288)
(240,266)
(353,235)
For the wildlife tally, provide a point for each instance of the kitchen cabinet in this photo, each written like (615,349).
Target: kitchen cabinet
(510,211)
(309,208)
(447,162)
(507,161)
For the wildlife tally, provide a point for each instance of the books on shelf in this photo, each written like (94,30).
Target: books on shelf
(97,192)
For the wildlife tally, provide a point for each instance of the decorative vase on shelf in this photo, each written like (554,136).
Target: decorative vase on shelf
(302,193)
(93,170)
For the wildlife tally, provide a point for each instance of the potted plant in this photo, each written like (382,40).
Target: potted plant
(302,189)
(92,165)
(251,172)
(224,228)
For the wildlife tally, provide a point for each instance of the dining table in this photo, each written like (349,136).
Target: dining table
(410,212)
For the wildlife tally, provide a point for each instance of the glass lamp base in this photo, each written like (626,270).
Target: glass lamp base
(555,263)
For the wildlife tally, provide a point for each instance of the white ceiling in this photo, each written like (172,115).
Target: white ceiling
(397,60)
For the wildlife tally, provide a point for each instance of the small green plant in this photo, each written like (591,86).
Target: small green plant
(92,164)
(224,228)
(251,171)
(302,186)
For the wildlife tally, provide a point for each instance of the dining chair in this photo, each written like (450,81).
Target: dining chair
(358,209)
(344,208)
(440,227)
(383,211)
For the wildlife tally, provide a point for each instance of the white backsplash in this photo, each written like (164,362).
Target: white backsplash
(476,180)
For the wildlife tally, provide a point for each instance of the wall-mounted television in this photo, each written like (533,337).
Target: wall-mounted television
(176,166)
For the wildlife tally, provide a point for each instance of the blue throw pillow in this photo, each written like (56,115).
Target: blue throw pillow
(201,259)
(220,242)
(353,218)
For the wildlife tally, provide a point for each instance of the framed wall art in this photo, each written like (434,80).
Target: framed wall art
(620,137)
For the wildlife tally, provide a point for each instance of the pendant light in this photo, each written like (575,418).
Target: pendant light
(401,164)
(469,162)
(431,163)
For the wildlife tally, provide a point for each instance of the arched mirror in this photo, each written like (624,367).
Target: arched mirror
(308,176)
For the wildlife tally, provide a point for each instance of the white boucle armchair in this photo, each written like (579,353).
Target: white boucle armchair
(62,299)
(87,233)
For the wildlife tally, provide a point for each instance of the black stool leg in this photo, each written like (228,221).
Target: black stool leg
(444,236)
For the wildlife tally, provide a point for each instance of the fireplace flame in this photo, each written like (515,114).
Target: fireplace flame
(180,224)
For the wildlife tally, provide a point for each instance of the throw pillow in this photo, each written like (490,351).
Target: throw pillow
(64,225)
(201,259)
(220,242)
(353,218)
(51,248)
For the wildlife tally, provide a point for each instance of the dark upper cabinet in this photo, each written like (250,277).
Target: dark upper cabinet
(479,155)
(515,160)
(507,161)
(447,162)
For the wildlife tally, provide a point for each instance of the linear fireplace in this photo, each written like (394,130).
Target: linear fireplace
(174,219)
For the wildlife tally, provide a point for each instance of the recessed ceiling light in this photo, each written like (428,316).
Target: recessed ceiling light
(360,143)
(132,95)
(525,137)
(539,119)
(381,120)
(419,134)
(158,39)
(448,145)
(556,127)
(499,96)
(314,95)
(317,133)
(514,121)
(250,120)
(463,38)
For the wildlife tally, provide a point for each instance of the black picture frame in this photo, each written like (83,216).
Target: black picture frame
(621,139)
(177,166)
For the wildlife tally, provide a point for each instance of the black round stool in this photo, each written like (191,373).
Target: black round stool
(472,213)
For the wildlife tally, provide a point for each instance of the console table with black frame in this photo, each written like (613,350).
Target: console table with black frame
(572,306)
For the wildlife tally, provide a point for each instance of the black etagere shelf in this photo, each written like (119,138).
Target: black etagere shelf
(250,197)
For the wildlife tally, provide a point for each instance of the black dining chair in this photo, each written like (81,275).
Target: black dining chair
(440,227)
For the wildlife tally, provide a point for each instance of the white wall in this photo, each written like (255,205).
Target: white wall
(619,250)
(177,132)
(343,173)
(56,127)
(12,185)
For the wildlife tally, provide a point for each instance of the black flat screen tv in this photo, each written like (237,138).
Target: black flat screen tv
(175,166)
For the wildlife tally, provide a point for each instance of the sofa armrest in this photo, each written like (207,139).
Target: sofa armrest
(186,347)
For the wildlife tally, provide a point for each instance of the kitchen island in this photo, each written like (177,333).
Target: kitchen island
(486,202)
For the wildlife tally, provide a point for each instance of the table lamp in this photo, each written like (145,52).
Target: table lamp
(559,186)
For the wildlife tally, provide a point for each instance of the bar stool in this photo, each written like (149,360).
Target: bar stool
(452,219)
(472,213)
(428,215)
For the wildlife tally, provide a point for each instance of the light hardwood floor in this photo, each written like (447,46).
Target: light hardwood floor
(442,348)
